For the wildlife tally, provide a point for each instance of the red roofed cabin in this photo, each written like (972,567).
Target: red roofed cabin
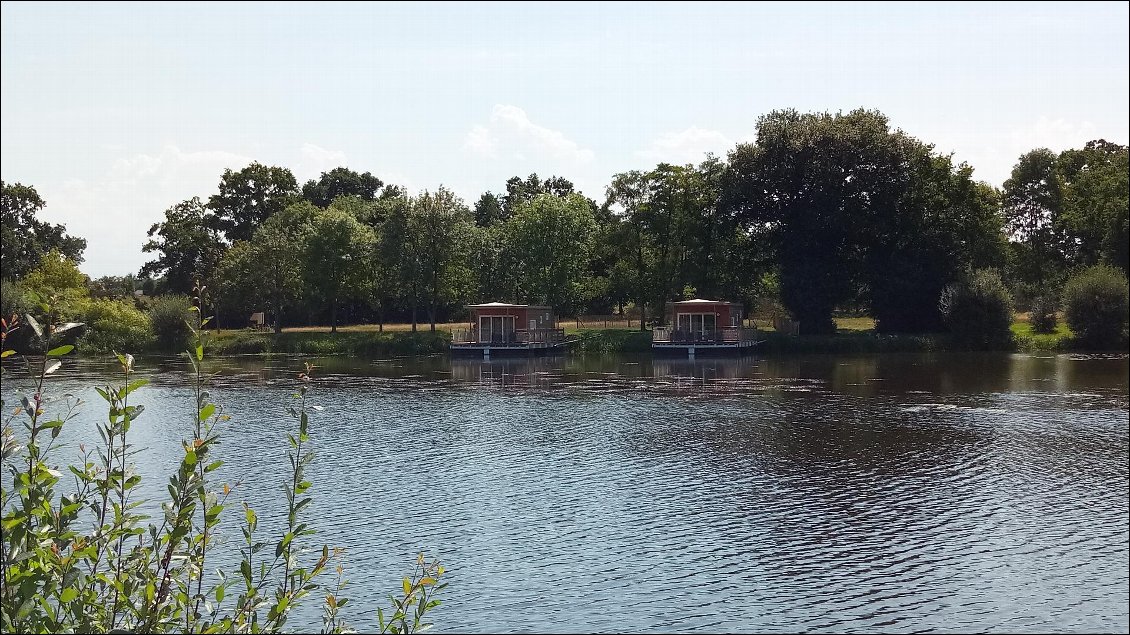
(497,326)
(713,325)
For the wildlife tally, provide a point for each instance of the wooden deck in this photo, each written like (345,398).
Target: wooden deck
(469,342)
(723,341)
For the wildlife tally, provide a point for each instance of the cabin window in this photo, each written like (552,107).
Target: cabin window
(697,322)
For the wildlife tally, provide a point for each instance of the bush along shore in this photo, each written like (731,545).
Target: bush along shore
(351,344)
(378,345)
(1023,339)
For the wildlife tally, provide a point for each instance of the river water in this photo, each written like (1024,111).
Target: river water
(894,493)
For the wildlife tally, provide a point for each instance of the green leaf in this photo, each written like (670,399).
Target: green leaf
(207,411)
(68,595)
(134,385)
(7,353)
(11,522)
(199,351)
(59,351)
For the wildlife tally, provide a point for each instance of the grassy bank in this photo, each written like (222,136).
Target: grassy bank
(352,343)
(854,335)
(609,340)
(1028,340)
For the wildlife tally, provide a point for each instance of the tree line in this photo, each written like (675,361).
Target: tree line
(822,213)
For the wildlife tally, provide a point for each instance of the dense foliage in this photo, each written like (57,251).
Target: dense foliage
(1097,303)
(24,239)
(978,310)
(823,214)
(1043,316)
(167,315)
(113,325)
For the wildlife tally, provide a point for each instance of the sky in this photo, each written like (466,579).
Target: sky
(115,112)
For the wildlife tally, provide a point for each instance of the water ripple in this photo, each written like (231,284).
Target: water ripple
(828,494)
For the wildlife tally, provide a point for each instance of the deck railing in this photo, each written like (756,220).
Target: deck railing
(724,335)
(508,338)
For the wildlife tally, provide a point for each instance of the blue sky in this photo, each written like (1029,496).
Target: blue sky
(116,112)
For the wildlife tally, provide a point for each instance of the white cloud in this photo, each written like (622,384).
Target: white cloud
(480,141)
(689,146)
(1054,134)
(993,154)
(314,160)
(511,134)
(114,213)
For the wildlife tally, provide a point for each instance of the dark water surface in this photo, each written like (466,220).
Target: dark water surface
(895,493)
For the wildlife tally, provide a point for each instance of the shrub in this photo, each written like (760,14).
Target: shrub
(169,314)
(242,344)
(15,300)
(113,325)
(1042,316)
(1096,303)
(90,561)
(978,311)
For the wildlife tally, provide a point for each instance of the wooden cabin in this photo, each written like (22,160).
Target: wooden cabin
(501,328)
(703,326)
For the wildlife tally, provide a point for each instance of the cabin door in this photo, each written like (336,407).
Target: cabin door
(697,322)
(495,328)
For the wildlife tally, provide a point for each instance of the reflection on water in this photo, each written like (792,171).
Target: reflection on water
(954,492)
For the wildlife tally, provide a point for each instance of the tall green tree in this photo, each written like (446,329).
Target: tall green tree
(187,247)
(492,263)
(444,225)
(1096,181)
(675,236)
(519,190)
(1033,208)
(810,185)
(401,251)
(248,197)
(552,239)
(267,271)
(943,225)
(24,239)
(115,286)
(57,273)
(341,182)
(629,192)
(488,210)
(334,258)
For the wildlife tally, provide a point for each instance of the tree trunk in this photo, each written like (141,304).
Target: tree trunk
(432,311)
(643,310)
(333,315)
(414,302)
